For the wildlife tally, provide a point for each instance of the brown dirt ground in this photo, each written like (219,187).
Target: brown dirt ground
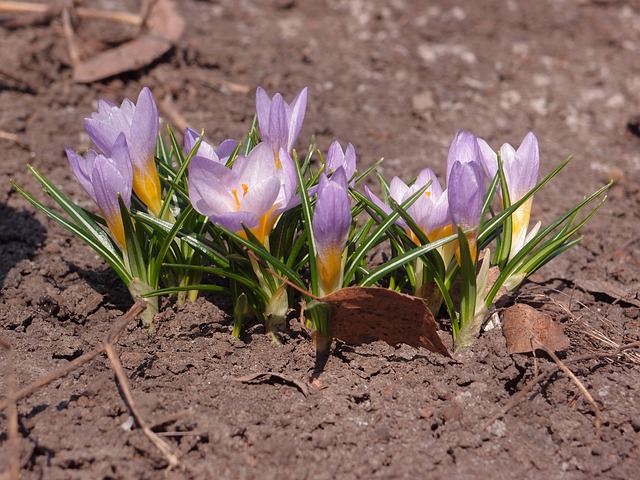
(396,79)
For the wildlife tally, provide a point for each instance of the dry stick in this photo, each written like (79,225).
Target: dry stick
(13,437)
(578,383)
(12,137)
(113,335)
(160,444)
(82,12)
(70,36)
(268,375)
(544,376)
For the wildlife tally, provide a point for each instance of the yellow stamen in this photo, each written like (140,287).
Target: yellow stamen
(234,192)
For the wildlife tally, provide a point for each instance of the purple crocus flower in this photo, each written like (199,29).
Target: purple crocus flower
(220,154)
(521,173)
(464,149)
(279,122)
(466,193)
(430,212)
(337,158)
(252,193)
(139,123)
(331,223)
(104,178)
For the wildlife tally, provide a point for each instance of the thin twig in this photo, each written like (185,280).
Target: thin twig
(160,444)
(12,137)
(70,36)
(13,436)
(118,17)
(513,401)
(578,383)
(304,389)
(65,370)
(82,12)
(24,7)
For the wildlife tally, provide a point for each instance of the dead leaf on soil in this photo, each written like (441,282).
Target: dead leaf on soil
(165,29)
(522,323)
(365,314)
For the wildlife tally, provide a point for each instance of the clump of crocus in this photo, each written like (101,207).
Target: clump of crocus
(255,214)
(254,192)
(139,122)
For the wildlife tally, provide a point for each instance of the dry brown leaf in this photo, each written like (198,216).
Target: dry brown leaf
(522,323)
(365,314)
(165,29)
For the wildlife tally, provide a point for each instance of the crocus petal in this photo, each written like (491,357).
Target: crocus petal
(104,107)
(295,117)
(289,181)
(144,129)
(439,216)
(225,149)
(260,197)
(235,220)
(82,169)
(277,131)
(488,159)
(108,183)
(263,107)
(466,193)
(337,158)
(210,185)
(207,151)
(379,203)
(101,134)
(425,176)
(398,190)
(525,173)
(464,149)
(259,164)
(122,161)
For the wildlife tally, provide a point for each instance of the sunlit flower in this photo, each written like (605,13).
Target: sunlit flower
(220,154)
(430,212)
(331,224)
(346,159)
(521,173)
(279,122)
(253,193)
(464,149)
(140,124)
(104,178)
(466,193)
